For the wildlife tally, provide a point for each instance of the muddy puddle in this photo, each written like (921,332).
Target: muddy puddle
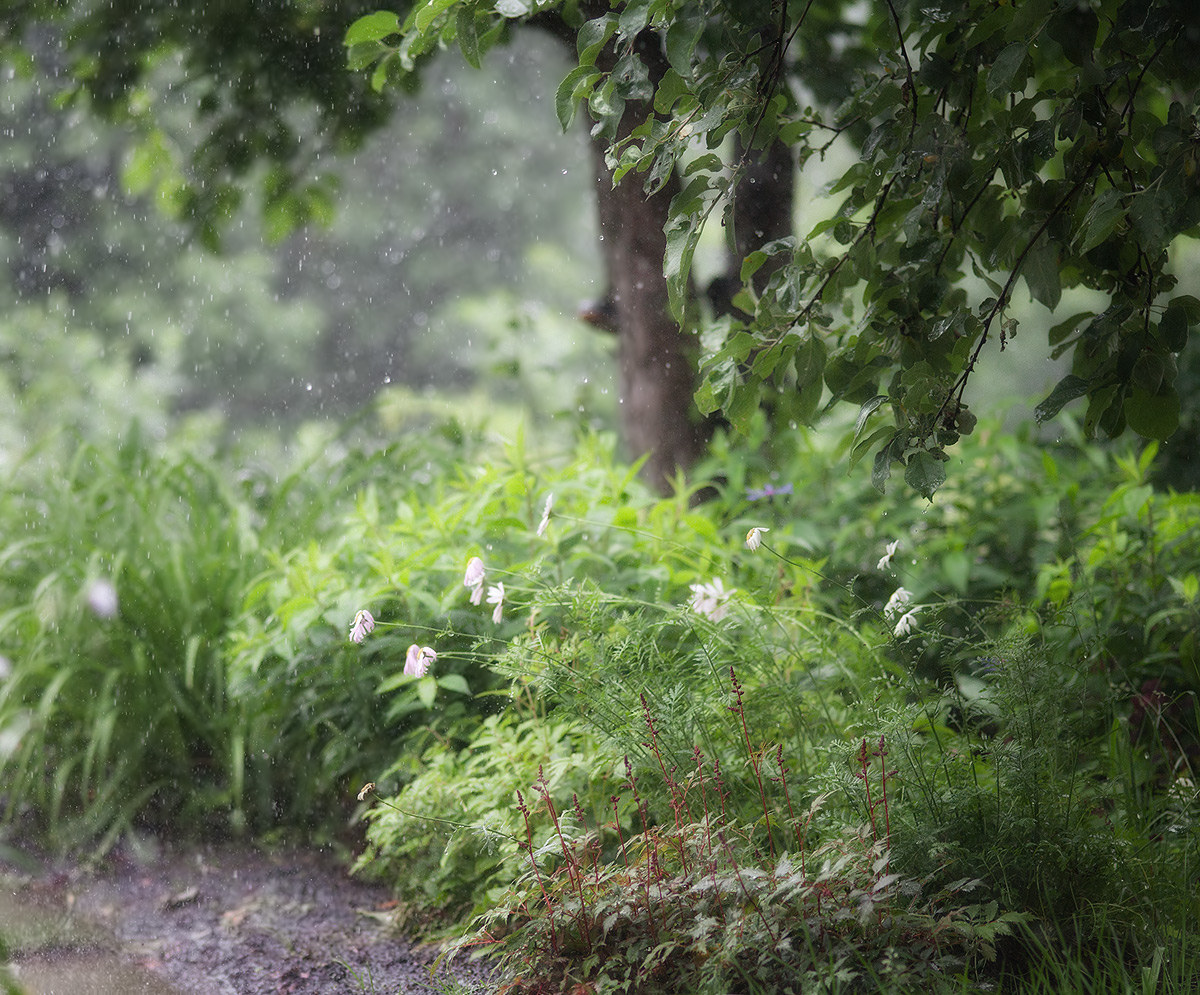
(52,950)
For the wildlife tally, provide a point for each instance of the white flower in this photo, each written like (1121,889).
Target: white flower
(886,560)
(417,662)
(711,599)
(364,622)
(754,538)
(906,623)
(366,790)
(474,575)
(102,598)
(541,529)
(898,600)
(473,579)
(495,596)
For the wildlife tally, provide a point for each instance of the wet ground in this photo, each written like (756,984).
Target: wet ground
(216,921)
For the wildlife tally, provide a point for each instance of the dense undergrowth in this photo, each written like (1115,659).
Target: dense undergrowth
(799,736)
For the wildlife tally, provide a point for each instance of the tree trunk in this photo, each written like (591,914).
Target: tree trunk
(657,376)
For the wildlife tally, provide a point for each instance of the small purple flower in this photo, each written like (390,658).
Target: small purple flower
(767,491)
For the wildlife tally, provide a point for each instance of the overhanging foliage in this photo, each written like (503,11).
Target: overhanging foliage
(1049,142)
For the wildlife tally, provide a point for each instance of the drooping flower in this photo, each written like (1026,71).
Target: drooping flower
(417,662)
(885,561)
(754,538)
(366,790)
(906,623)
(541,529)
(473,579)
(898,600)
(475,571)
(495,596)
(711,599)
(767,491)
(363,623)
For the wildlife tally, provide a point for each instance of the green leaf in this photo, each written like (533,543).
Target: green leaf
(468,35)
(372,27)
(865,412)
(1152,416)
(575,87)
(427,691)
(430,12)
(864,446)
(593,36)
(925,473)
(1003,75)
(1101,220)
(454,682)
(1066,390)
(1041,273)
(682,36)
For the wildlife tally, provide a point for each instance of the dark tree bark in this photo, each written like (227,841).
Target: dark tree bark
(657,376)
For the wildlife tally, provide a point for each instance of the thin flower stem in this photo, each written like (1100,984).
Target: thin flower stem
(755,760)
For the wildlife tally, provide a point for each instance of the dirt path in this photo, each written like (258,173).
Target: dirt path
(225,922)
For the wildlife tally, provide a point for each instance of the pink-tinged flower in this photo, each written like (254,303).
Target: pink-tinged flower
(898,600)
(754,538)
(495,596)
(541,529)
(906,624)
(364,622)
(102,598)
(886,560)
(418,660)
(711,599)
(474,575)
(473,579)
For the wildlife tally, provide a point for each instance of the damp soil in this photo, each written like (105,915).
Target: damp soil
(216,921)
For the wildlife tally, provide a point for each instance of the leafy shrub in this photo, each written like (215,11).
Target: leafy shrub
(115,602)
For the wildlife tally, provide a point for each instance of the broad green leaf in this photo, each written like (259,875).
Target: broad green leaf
(468,34)
(865,412)
(1152,416)
(372,27)
(925,473)
(1003,75)
(1066,390)
(1041,273)
(427,14)
(1101,220)
(578,83)
(454,682)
